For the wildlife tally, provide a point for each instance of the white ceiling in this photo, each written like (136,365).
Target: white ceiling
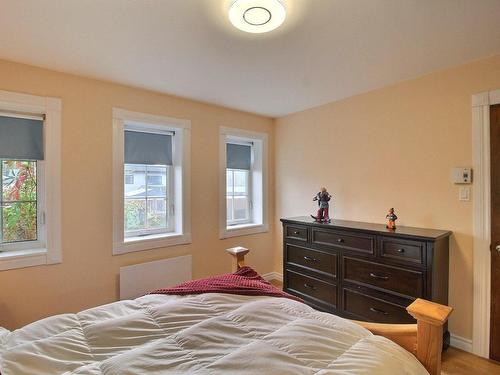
(326,49)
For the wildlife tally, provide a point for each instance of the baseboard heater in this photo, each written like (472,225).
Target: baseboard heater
(139,279)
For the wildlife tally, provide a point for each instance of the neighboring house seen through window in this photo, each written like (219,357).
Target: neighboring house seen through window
(129,179)
(147,199)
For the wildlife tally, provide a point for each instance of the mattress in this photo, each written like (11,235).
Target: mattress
(200,334)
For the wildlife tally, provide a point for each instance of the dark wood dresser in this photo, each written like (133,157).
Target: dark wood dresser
(364,271)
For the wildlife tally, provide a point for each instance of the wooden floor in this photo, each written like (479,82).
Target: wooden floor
(456,361)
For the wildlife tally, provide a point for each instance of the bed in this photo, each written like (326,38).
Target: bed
(221,333)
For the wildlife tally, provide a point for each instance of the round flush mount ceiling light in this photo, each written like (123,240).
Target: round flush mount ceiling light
(257,16)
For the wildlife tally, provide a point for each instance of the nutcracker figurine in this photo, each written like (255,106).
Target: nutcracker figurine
(391,216)
(323,197)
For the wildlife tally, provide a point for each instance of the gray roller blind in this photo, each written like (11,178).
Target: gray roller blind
(238,156)
(21,138)
(148,148)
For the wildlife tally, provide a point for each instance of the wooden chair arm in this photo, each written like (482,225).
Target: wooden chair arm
(238,254)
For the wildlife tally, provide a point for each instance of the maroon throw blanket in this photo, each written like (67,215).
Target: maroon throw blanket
(245,281)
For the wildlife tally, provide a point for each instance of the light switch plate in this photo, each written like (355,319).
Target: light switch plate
(464,194)
(462,175)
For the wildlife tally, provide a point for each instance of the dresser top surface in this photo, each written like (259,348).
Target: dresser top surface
(372,227)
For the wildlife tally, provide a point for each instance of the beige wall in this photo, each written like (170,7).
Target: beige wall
(394,147)
(88,275)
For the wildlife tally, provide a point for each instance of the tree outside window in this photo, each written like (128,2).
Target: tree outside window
(18,201)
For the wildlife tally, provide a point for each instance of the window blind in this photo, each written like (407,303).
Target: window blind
(238,156)
(148,148)
(21,138)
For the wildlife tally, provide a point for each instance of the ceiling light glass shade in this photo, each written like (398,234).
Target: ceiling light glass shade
(257,16)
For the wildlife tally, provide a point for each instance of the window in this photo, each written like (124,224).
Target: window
(238,185)
(29,203)
(151,178)
(129,179)
(244,180)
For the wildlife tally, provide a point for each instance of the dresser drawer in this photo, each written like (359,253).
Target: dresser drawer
(396,279)
(402,250)
(312,288)
(296,232)
(374,309)
(363,243)
(311,259)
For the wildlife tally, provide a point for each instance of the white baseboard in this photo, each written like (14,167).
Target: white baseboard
(273,276)
(461,343)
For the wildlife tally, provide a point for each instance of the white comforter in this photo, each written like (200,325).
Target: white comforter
(200,334)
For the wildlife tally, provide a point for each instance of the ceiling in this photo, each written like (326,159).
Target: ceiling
(326,49)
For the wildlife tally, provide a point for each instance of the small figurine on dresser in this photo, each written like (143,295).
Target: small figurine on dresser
(391,216)
(323,197)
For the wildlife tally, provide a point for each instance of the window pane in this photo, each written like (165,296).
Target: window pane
(146,201)
(18,180)
(137,189)
(241,211)
(157,181)
(157,213)
(229,205)
(19,222)
(135,214)
(129,179)
(240,182)
(154,180)
(229,181)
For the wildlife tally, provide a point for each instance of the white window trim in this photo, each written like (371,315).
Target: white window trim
(51,253)
(182,173)
(260,179)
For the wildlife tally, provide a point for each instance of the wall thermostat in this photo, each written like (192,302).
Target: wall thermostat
(462,175)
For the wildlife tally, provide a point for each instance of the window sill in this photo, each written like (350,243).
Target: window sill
(243,230)
(154,241)
(23,258)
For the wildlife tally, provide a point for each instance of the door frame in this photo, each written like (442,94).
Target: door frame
(481,103)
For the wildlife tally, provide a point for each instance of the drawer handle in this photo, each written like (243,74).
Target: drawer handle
(378,311)
(375,276)
(310,259)
(296,232)
(310,286)
(340,240)
(401,251)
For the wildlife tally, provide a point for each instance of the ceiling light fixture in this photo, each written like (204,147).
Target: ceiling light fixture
(257,16)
